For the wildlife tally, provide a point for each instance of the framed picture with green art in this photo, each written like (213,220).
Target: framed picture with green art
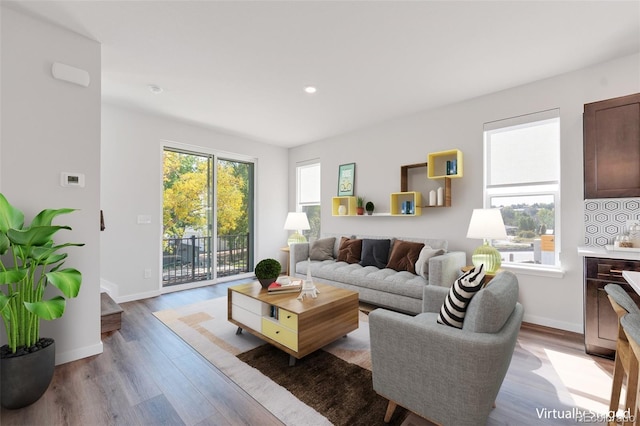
(346,179)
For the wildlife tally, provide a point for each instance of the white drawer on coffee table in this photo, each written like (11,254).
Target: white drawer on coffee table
(250,319)
(248,303)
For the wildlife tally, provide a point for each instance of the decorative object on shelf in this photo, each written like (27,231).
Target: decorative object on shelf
(308,287)
(296,221)
(360,206)
(452,167)
(27,361)
(407,207)
(346,179)
(432,197)
(486,224)
(267,271)
(369,207)
(342,210)
(440,196)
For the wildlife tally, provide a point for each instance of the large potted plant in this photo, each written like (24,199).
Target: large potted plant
(267,271)
(29,263)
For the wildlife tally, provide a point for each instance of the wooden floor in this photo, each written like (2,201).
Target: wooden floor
(148,376)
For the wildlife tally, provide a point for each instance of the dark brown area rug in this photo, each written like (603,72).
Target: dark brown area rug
(340,391)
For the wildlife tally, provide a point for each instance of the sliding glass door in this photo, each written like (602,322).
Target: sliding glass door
(207,217)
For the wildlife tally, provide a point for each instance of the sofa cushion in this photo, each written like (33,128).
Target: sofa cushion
(463,289)
(322,249)
(404,256)
(375,252)
(350,250)
(422,264)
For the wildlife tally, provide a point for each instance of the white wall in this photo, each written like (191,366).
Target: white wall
(132,186)
(380,150)
(48,127)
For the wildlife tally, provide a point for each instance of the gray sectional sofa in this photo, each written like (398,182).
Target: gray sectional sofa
(393,279)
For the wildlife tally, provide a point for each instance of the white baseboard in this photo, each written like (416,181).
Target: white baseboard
(137,296)
(561,325)
(79,353)
(108,287)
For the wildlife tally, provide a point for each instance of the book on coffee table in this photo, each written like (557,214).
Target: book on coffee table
(292,287)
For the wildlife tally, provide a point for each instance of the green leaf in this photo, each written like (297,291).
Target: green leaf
(68,281)
(12,276)
(10,217)
(47,309)
(4,243)
(45,217)
(34,236)
(47,255)
(4,301)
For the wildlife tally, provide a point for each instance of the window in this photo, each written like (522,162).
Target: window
(522,177)
(308,196)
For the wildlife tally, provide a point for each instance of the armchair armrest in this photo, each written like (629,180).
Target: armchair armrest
(297,253)
(445,268)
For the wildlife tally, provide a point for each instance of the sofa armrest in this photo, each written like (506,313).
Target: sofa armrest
(433,298)
(297,253)
(445,268)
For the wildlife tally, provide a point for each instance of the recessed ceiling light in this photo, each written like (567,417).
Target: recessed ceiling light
(310,90)
(155,89)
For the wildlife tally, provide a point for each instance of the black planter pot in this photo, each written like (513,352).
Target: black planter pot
(266,281)
(25,378)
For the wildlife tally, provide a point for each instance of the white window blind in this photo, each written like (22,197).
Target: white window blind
(309,184)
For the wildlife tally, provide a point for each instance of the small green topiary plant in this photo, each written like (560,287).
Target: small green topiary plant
(369,207)
(267,271)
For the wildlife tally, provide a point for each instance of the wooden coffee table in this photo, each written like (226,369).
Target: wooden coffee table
(298,327)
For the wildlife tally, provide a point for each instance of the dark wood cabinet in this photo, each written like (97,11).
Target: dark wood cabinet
(612,148)
(600,321)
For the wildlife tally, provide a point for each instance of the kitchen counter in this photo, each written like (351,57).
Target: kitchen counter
(608,254)
(633,278)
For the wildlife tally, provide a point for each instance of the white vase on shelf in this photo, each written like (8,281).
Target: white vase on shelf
(342,210)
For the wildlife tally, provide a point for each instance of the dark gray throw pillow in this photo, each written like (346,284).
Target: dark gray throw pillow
(322,249)
(375,253)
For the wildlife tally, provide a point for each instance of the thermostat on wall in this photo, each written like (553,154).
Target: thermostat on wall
(72,179)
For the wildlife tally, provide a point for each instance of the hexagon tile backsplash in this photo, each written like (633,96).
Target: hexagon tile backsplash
(605,218)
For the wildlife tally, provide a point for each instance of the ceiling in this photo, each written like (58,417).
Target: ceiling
(240,66)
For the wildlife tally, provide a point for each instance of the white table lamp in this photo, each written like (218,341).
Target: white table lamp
(296,222)
(487,224)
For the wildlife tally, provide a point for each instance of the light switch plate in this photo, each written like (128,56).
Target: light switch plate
(144,219)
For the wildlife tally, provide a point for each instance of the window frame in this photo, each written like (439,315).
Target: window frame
(535,188)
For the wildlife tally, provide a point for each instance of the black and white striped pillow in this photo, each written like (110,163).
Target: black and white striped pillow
(463,289)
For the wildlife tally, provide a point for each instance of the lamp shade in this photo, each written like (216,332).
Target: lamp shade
(296,221)
(486,224)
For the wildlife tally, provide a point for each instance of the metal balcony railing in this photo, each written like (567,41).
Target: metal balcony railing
(190,259)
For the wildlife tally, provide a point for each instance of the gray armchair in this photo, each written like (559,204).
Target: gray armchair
(447,375)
